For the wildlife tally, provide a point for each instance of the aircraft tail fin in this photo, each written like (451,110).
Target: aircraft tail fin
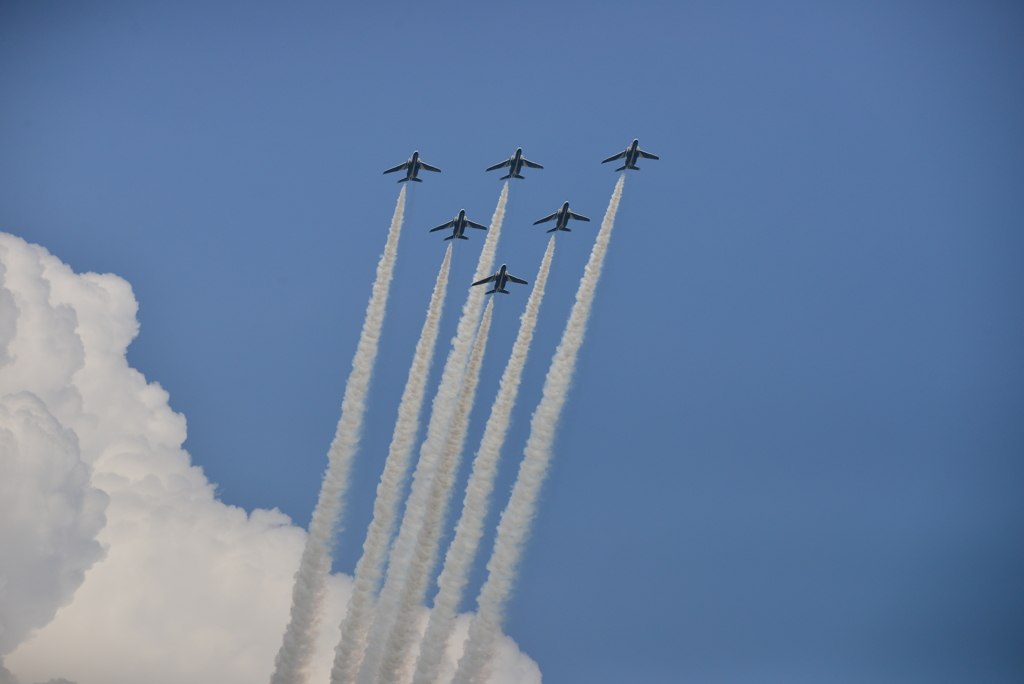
(452,237)
(418,180)
(505,177)
(496,290)
(567,230)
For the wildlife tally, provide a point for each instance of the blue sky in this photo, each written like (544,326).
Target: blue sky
(792,452)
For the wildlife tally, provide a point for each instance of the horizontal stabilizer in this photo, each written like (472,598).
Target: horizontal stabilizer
(452,237)
(567,230)
(497,290)
(418,180)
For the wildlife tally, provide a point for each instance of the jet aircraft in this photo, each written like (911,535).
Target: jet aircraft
(561,218)
(458,226)
(631,154)
(515,164)
(412,168)
(499,279)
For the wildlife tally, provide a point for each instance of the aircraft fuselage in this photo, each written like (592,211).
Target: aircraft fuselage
(459,227)
(500,278)
(632,156)
(517,162)
(562,221)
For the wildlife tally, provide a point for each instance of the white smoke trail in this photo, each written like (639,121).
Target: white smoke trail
(469,529)
(406,627)
(349,652)
(299,639)
(518,514)
(437,431)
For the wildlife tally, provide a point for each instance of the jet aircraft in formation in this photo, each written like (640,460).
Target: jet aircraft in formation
(561,219)
(515,164)
(412,168)
(500,277)
(631,154)
(458,226)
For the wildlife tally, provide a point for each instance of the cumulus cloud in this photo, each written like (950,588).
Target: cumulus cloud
(189,588)
(49,517)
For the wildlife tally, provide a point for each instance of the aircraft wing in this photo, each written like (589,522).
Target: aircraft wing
(472,224)
(578,217)
(428,167)
(546,218)
(620,155)
(646,155)
(397,168)
(485,280)
(443,226)
(516,280)
(529,163)
(501,165)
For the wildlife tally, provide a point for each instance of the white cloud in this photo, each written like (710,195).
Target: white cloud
(49,517)
(191,589)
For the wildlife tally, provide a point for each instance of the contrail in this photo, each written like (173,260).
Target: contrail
(469,529)
(515,521)
(349,652)
(437,431)
(311,579)
(405,629)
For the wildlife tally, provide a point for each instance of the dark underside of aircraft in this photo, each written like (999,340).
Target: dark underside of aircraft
(630,154)
(515,164)
(561,219)
(458,226)
(412,168)
(500,278)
